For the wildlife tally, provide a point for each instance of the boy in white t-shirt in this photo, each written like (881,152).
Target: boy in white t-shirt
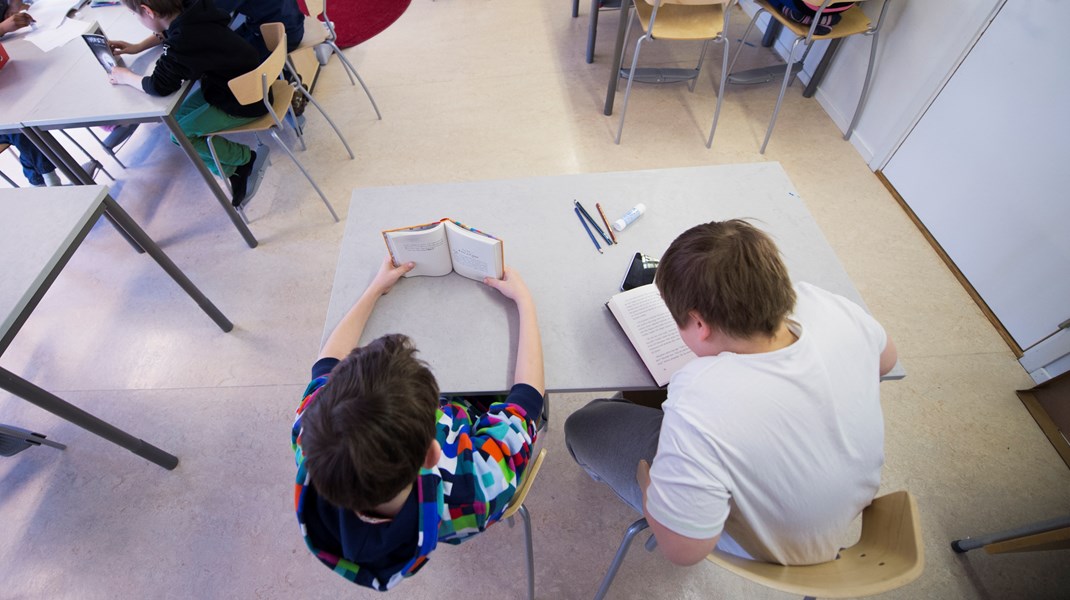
(771,442)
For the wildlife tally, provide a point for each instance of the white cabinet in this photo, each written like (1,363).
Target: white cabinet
(987,171)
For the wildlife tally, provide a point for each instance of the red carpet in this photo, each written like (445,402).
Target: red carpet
(358,20)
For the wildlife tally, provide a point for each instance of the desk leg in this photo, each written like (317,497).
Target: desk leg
(70,167)
(209,179)
(53,404)
(614,69)
(967,544)
(111,207)
(822,66)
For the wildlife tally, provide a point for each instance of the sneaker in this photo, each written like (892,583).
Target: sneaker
(260,165)
(240,180)
(118,135)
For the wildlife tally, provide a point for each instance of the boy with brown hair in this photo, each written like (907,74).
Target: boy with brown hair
(771,441)
(199,46)
(386,467)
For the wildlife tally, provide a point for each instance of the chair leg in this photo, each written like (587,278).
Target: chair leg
(780,98)
(353,71)
(309,97)
(628,89)
(285,149)
(8,180)
(865,87)
(529,549)
(592,29)
(624,46)
(698,67)
(95,163)
(106,149)
(629,535)
(743,41)
(720,88)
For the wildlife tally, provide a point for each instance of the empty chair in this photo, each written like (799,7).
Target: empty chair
(680,20)
(852,22)
(254,87)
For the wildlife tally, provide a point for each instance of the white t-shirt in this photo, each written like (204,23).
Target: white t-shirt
(782,450)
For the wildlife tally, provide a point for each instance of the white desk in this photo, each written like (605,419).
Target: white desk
(41,229)
(467,332)
(68,88)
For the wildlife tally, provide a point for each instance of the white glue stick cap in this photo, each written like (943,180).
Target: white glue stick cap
(629,217)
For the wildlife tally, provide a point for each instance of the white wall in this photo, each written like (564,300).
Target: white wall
(921,42)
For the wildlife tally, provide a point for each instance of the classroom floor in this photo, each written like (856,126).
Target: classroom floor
(469,91)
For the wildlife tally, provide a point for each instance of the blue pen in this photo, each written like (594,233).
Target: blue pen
(590,220)
(584,223)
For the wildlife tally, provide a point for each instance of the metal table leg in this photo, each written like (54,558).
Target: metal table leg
(65,410)
(59,156)
(209,179)
(614,70)
(111,207)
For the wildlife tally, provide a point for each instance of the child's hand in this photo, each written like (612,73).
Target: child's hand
(388,275)
(15,22)
(120,47)
(123,76)
(510,285)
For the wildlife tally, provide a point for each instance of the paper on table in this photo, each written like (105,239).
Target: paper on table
(48,13)
(50,38)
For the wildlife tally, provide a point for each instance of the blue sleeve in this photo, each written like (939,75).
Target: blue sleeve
(323,366)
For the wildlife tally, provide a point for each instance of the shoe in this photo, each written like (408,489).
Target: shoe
(240,180)
(259,169)
(50,179)
(118,135)
(298,103)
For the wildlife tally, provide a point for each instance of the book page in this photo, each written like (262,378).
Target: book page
(475,255)
(424,245)
(652,331)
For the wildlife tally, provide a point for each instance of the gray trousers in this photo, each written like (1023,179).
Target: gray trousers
(609,437)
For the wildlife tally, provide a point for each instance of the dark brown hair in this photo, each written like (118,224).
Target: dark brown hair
(365,436)
(162,8)
(731,274)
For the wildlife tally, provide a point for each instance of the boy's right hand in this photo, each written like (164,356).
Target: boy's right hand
(510,285)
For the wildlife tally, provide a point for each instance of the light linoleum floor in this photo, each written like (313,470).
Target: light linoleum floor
(470,90)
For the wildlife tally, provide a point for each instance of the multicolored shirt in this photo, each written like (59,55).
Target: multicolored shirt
(483,460)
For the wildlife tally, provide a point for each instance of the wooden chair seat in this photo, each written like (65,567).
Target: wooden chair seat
(281,95)
(315,32)
(682,21)
(853,21)
(889,554)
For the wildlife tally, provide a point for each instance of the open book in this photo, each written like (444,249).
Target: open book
(446,245)
(650,328)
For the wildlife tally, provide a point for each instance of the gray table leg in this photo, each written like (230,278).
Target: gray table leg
(209,179)
(31,393)
(59,156)
(822,66)
(614,70)
(112,208)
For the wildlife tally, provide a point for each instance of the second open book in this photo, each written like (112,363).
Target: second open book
(650,328)
(446,245)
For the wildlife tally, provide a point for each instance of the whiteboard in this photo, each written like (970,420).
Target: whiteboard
(987,168)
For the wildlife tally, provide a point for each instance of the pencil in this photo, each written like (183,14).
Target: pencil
(594,224)
(584,223)
(606,221)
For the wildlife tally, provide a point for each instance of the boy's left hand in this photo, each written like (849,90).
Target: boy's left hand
(388,275)
(123,76)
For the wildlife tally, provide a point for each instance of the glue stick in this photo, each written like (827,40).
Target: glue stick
(629,217)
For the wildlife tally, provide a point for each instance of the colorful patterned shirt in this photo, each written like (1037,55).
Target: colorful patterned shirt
(484,455)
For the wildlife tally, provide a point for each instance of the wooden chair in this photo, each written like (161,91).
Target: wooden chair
(254,86)
(680,20)
(853,22)
(303,61)
(888,555)
(516,506)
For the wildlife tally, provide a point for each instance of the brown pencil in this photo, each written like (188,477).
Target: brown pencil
(604,220)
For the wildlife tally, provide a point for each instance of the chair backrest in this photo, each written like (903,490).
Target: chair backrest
(889,554)
(522,491)
(252,86)
(315,8)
